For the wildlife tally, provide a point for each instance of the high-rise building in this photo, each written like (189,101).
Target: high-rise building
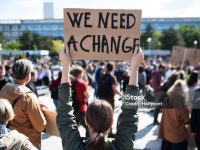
(48,10)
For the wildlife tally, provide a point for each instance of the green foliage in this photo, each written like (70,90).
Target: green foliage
(12,45)
(190,34)
(183,36)
(2,38)
(45,43)
(32,41)
(150,38)
(171,37)
(57,45)
(27,40)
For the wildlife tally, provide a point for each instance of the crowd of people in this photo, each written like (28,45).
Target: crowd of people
(176,87)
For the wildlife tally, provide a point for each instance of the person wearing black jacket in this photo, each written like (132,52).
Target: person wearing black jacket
(3,79)
(195,118)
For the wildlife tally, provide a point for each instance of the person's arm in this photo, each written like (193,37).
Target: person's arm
(34,112)
(86,95)
(127,126)
(65,119)
(114,87)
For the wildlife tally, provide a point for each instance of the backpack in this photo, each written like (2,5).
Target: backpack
(105,86)
(75,103)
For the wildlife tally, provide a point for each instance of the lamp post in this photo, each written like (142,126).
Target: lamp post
(149,39)
(195,43)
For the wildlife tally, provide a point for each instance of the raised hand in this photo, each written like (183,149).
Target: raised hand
(65,57)
(65,61)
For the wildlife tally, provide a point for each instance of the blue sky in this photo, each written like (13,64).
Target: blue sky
(33,9)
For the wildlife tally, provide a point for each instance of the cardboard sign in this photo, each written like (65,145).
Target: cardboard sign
(51,127)
(183,55)
(101,34)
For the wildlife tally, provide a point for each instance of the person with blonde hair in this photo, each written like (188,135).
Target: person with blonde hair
(175,117)
(11,140)
(29,118)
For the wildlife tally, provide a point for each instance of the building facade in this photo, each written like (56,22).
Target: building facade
(13,29)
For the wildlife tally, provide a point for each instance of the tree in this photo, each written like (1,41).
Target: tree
(57,45)
(27,40)
(12,45)
(190,34)
(2,38)
(45,42)
(30,41)
(171,37)
(150,38)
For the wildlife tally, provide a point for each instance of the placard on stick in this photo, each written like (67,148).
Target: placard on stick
(101,34)
(182,55)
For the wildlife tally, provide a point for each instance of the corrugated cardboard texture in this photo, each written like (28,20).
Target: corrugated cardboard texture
(122,28)
(192,56)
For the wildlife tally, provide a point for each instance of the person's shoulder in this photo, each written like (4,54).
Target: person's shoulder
(18,135)
(13,138)
(22,140)
(81,83)
(197,88)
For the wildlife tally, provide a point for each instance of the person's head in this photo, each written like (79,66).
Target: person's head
(22,70)
(193,79)
(2,71)
(33,76)
(6,112)
(181,74)
(45,66)
(101,63)
(78,72)
(8,69)
(172,79)
(161,68)
(141,68)
(109,67)
(99,119)
(177,93)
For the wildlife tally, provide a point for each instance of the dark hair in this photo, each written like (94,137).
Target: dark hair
(7,68)
(161,66)
(77,71)
(21,69)
(99,117)
(32,73)
(102,63)
(173,77)
(193,78)
(141,68)
(109,67)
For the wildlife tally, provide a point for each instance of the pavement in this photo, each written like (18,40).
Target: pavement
(146,137)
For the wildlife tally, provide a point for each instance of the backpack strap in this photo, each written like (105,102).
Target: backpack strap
(16,100)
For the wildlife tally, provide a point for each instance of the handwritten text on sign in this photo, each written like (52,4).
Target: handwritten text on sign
(101,34)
